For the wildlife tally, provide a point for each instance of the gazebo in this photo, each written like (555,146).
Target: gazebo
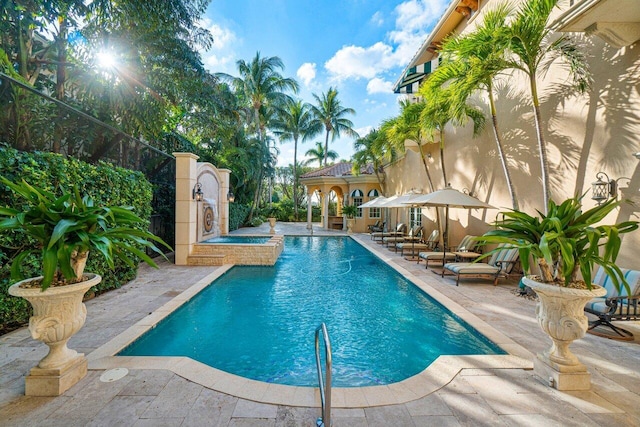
(347,188)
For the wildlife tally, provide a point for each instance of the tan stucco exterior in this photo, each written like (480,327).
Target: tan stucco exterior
(598,131)
(339,179)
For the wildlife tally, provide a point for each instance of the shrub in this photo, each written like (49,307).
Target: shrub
(237,215)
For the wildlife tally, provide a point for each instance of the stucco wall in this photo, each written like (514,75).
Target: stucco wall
(585,134)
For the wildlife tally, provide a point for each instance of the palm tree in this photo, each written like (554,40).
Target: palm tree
(407,127)
(318,154)
(441,107)
(471,62)
(329,113)
(264,88)
(294,121)
(368,150)
(533,50)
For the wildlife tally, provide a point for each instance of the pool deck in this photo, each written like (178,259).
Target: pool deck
(474,395)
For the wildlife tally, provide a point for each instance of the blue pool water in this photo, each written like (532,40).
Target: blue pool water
(238,239)
(259,322)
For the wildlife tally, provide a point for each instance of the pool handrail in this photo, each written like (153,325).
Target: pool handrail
(325,393)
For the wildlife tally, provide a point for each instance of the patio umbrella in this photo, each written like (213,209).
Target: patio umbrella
(375,203)
(402,202)
(450,198)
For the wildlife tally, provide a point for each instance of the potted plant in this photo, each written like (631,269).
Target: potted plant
(64,229)
(350,211)
(565,244)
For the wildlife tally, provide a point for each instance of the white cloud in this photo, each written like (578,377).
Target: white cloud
(363,131)
(307,72)
(413,19)
(377,19)
(378,85)
(359,62)
(221,56)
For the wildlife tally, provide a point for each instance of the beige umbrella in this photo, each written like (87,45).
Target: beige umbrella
(375,203)
(450,198)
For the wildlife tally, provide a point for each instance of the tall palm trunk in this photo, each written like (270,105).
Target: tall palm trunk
(256,194)
(501,154)
(426,169)
(326,148)
(61,77)
(444,172)
(544,162)
(432,189)
(295,177)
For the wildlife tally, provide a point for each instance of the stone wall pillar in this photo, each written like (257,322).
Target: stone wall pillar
(224,201)
(309,213)
(186,207)
(325,210)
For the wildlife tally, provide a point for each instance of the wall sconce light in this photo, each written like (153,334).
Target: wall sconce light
(602,189)
(468,192)
(429,155)
(637,155)
(230,197)
(197,193)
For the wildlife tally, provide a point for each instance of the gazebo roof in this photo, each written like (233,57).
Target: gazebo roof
(339,169)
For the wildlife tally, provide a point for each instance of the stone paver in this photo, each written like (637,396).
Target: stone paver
(475,397)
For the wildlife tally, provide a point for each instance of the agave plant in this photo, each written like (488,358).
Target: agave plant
(68,227)
(566,242)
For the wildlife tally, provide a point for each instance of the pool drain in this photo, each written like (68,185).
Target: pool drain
(113,375)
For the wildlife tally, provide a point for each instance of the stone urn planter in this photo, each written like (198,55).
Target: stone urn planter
(58,314)
(350,223)
(560,313)
(272,224)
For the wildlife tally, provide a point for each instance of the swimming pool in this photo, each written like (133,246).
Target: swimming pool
(259,322)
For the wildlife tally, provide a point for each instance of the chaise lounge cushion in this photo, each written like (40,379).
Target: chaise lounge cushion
(601,278)
(500,264)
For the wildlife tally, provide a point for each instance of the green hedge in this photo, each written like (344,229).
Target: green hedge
(237,215)
(107,184)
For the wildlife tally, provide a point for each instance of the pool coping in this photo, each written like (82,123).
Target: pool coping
(435,376)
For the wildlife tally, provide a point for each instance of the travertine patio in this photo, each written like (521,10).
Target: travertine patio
(474,397)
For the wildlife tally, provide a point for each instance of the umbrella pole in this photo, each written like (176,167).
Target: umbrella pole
(446,237)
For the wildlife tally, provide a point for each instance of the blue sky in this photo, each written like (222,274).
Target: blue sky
(358,46)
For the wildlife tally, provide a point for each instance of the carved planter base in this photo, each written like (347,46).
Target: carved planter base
(350,223)
(272,225)
(58,314)
(560,314)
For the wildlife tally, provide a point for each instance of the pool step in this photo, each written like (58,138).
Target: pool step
(207,259)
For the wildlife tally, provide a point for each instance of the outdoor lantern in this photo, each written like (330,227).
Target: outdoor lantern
(230,197)
(602,189)
(197,193)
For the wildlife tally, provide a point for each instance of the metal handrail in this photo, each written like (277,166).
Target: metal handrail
(325,393)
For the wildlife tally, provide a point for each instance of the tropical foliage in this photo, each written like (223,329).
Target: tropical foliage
(329,115)
(67,227)
(565,242)
(107,185)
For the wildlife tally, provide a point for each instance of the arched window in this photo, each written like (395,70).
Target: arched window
(374,212)
(357,197)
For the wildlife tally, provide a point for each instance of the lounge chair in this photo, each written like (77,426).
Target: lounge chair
(379,235)
(615,306)
(500,265)
(378,226)
(414,234)
(467,245)
(414,247)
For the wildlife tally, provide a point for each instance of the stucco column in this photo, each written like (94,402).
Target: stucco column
(186,207)
(325,210)
(309,213)
(223,221)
